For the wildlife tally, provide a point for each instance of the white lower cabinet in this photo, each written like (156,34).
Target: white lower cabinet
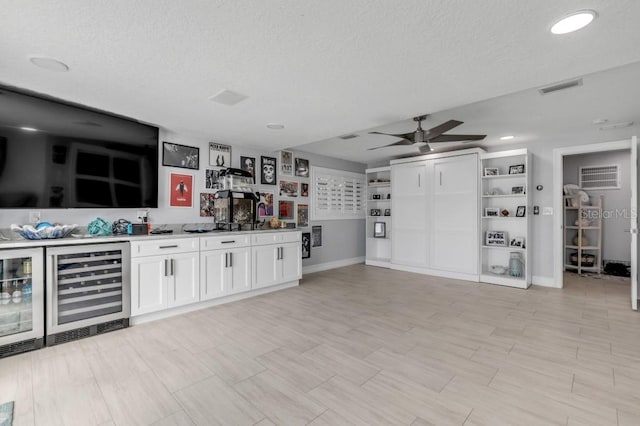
(225,272)
(276,263)
(163,281)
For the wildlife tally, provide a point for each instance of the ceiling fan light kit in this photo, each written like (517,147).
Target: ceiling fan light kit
(427,137)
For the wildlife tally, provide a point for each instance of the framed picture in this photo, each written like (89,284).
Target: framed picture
(286,163)
(302,167)
(376,196)
(174,155)
(288,188)
(379,229)
(306,245)
(521,211)
(517,189)
(375,212)
(304,189)
(265,204)
(248,164)
(268,170)
(496,238)
(491,171)
(387,212)
(316,236)
(492,212)
(303,215)
(212,179)
(517,242)
(285,210)
(518,169)
(206,204)
(219,155)
(181,190)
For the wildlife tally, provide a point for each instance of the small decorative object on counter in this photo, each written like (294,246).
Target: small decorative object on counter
(99,227)
(274,222)
(43,231)
(515,265)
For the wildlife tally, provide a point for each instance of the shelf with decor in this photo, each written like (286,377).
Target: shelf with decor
(583,233)
(505,256)
(378,220)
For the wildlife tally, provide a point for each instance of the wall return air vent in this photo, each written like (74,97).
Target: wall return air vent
(560,86)
(600,177)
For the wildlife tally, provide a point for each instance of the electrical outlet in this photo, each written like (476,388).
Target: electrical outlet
(536,210)
(34,217)
(142,215)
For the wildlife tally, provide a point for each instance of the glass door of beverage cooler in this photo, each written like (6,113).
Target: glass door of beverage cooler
(21,300)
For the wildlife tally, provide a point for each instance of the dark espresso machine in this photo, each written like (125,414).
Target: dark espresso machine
(234,206)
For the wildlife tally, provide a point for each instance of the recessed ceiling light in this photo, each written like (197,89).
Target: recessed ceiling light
(50,64)
(275,126)
(29,129)
(574,22)
(506,138)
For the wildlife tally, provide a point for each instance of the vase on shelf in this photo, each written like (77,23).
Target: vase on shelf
(577,238)
(516,266)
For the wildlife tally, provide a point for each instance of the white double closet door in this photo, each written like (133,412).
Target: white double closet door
(435,213)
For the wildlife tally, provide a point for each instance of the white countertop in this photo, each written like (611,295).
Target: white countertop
(11,240)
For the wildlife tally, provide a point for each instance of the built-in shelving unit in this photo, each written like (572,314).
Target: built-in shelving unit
(582,235)
(378,211)
(505,226)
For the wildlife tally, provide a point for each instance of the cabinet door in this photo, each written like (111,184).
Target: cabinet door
(213,274)
(409,214)
(265,266)
(240,270)
(184,284)
(148,284)
(454,224)
(291,262)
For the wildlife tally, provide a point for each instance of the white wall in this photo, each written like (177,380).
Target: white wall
(615,241)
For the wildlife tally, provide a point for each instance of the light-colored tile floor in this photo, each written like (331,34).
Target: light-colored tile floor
(356,345)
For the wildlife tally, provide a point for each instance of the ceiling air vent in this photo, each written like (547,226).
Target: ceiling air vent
(228,97)
(345,137)
(560,86)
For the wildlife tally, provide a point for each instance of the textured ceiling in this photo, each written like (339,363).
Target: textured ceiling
(322,68)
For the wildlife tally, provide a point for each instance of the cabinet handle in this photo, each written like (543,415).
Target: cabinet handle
(171,246)
(172,267)
(166,268)
(440,178)
(230,260)
(419,176)
(227,242)
(226,260)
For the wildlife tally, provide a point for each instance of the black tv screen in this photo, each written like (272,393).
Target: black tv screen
(58,155)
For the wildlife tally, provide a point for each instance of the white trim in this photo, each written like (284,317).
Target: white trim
(436,272)
(332,265)
(501,154)
(479,151)
(543,281)
(166,313)
(558,182)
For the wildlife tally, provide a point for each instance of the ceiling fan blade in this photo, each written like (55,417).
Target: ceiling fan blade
(402,142)
(444,127)
(457,138)
(425,148)
(408,136)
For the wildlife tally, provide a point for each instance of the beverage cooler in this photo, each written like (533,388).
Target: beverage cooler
(21,300)
(88,290)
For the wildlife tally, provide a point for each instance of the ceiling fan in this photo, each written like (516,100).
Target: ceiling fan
(435,134)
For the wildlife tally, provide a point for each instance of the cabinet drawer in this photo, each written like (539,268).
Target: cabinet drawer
(155,247)
(222,242)
(275,238)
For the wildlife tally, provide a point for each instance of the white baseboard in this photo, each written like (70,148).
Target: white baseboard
(141,319)
(332,265)
(544,281)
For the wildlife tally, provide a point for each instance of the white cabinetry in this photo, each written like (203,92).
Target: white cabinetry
(161,281)
(378,225)
(225,265)
(277,258)
(505,238)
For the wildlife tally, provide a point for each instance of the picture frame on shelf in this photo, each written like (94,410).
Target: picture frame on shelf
(387,212)
(518,190)
(379,230)
(517,169)
(517,242)
(376,196)
(183,156)
(492,211)
(496,238)
(491,171)
(219,155)
(521,211)
(375,212)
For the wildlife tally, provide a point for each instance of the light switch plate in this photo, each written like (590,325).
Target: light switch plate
(547,211)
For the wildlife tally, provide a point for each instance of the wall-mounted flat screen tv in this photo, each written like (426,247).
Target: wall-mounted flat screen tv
(55,154)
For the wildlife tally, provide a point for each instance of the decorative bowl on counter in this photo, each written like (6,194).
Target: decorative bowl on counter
(43,232)
(498,269)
